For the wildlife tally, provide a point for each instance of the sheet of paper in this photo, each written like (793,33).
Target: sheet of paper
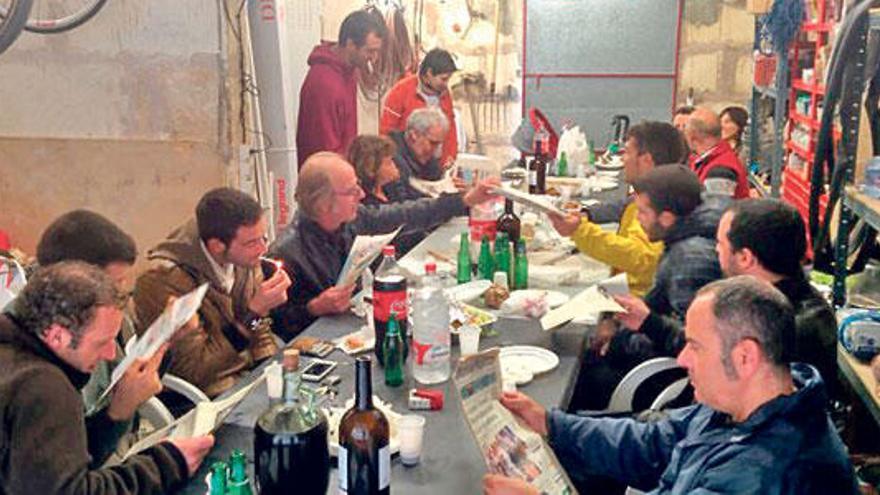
(508,448)
(179,312)
(615,286)
(364,250)
(203,419)
(588,302)
(537,202)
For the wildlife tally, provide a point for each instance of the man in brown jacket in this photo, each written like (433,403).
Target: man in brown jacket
(65,324)
(222,247)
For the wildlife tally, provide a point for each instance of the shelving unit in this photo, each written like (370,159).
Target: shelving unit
(808,58)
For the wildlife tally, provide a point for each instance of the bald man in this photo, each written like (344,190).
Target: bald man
(316,243)
(714,161)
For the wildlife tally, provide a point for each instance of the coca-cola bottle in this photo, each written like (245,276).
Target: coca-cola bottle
(389,295)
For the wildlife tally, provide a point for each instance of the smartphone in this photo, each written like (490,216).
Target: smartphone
(317,369)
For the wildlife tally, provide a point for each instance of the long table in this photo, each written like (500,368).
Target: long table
(450,461)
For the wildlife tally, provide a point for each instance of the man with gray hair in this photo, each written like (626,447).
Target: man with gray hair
(714,161)
(760,425)
(64,324)
(315,244)
(419,148)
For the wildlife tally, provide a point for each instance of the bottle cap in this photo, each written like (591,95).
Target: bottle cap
(430,268)
(388,250)
(291,359)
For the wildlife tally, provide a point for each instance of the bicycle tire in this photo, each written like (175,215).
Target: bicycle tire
(52,25)
(11,25)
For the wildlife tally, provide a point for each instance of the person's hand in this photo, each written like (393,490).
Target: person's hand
(334,300)
(271,293)
(481,192)
(565,225)
(636,311)
(194,450)
(495,484)
(526,409)
(140,382)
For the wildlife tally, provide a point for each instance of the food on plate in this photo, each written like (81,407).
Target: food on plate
(495,295)
(354,341)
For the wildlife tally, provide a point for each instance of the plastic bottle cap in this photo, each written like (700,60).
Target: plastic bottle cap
(430,268)
(291,359)
(388,250)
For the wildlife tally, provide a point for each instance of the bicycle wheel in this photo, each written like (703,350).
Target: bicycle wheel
(16,14)
(56,16)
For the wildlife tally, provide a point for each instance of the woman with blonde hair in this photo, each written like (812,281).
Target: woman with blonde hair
(371,157)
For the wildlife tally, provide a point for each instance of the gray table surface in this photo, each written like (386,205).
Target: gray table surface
(451,463)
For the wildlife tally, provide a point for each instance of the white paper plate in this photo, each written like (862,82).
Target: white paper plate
(334,416)
(554,298)
(528,359)
(468,291)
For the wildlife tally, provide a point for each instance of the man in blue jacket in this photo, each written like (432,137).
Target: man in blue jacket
(760,427)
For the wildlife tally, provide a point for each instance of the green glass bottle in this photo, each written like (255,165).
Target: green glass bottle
(562,165)
(239,484)
(521,267)
(219,475)
(485,263)
(464,260)
(502,255)
(393,351)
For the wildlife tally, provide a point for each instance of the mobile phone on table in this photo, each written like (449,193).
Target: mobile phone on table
(317,369)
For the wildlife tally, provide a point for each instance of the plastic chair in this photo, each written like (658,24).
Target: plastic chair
(154,411)
(622,397)
(669,394)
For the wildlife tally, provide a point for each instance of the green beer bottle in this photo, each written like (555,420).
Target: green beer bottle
(485,263)
(521,267)
(464,260)
(502,255)
(393,351)
(562,166)
(239,484)
(219,475)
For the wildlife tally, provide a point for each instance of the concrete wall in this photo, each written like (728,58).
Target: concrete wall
(716,52)
(134,115)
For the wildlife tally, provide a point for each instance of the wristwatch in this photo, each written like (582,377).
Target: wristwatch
(252,321)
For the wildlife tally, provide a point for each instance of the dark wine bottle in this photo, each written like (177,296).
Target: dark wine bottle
(538,171)
(290,441)
(364,453)
(509,222)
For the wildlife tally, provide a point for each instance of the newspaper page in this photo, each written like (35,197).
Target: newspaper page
(363,251)
(593,301)
(508,448)
(175,315)
(201,420)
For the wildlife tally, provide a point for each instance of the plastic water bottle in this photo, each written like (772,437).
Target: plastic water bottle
(431,339)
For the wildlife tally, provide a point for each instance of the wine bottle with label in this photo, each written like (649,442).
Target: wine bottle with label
(364,453)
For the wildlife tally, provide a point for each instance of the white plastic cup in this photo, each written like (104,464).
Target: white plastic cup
(469,339)
(274,380)
(411,429)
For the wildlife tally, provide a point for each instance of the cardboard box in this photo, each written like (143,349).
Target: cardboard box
(758,6)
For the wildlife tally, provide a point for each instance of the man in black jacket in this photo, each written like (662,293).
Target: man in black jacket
(766,238)
(670,209)
(316,243)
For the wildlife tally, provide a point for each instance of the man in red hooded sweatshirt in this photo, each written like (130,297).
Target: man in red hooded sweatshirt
(327,118)
(713,160)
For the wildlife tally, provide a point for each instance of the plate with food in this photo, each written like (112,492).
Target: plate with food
(464,314)
(356,342)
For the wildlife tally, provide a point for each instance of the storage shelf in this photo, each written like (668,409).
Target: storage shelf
(801,85)
(822,27)
(803,119)
(863,206)
(800,151)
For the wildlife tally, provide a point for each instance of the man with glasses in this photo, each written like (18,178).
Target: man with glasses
(221,246)
(419,149)
(329,217)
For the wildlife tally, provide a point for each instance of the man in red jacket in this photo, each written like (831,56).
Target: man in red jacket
(430,87)
(327,118)
(714,161)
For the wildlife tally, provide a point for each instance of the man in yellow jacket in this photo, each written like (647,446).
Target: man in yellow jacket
(628,249)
